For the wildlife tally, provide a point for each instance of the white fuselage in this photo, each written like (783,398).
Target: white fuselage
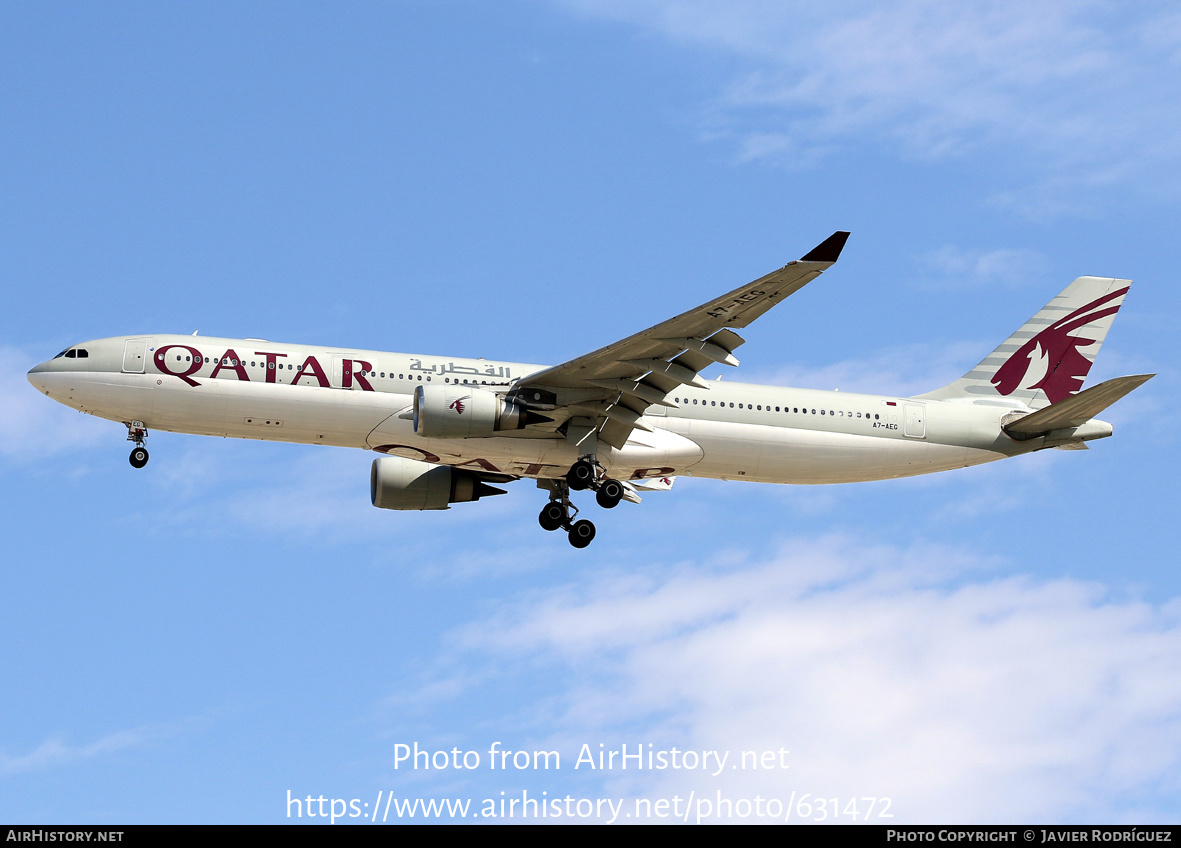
(255,389)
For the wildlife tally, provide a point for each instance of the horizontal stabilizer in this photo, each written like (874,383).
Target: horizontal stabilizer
(654,484)
(1077,409)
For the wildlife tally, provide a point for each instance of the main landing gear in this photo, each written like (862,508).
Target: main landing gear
(137,432)
(560,512)
(586,474)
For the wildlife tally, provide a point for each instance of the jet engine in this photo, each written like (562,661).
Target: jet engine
(399,483)
(464,412)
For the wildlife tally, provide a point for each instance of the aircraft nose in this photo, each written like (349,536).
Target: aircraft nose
(36,376)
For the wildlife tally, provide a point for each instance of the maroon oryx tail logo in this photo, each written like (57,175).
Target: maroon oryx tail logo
(1057,351)
(458,404)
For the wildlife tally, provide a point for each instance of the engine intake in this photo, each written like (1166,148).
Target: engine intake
(464,412)
(399,483)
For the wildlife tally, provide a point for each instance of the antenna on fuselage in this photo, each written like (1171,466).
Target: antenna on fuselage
(194,332)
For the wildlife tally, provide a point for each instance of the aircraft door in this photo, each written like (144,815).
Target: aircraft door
(135,354)
(915,421)
(342,372)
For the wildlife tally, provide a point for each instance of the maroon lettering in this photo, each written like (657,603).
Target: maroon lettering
(230,362)
(270,363)
(311,368)
(641,473)
(534,468)
(191,367)
(483,463)
(426,456)
(347,368)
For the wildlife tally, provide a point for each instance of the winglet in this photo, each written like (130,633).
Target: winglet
(828,250)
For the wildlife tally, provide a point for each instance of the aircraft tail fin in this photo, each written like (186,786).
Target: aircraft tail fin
(1048,358)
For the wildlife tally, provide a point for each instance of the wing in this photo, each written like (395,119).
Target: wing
(604,393)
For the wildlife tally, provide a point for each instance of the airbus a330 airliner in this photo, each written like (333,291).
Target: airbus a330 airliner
(626,418)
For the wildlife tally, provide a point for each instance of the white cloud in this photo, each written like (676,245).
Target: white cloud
(55,752)
(1074,91)
(897,672)
(951,267)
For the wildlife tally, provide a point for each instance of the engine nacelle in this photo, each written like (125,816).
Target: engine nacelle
(399,483)
(463,412)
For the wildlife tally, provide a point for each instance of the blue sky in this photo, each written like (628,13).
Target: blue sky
(529,181)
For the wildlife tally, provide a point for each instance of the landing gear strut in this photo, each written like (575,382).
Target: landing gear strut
(137,432)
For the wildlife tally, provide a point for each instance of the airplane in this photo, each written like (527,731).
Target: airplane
(627,418)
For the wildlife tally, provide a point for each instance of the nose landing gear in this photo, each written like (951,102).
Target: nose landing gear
(137,432)
(138,458)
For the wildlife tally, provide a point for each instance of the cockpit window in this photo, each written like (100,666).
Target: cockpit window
(83,353)
(60,355)
(71,353)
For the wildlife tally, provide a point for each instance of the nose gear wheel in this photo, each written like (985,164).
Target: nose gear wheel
(137,432)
